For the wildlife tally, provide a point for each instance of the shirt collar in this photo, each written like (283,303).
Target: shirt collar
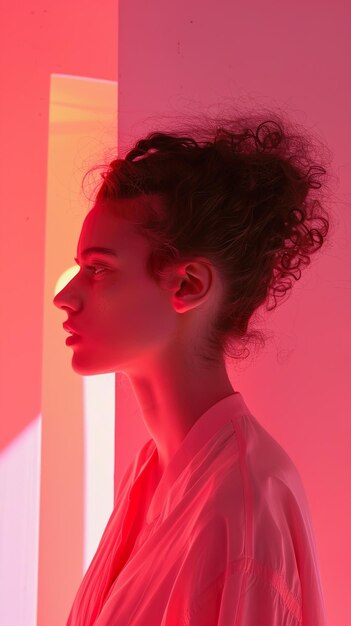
(206,426)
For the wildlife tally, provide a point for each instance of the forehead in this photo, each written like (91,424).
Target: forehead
(104,227)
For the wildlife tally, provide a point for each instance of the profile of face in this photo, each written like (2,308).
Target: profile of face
(121,314)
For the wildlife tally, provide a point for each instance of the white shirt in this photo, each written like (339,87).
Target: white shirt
(227,540)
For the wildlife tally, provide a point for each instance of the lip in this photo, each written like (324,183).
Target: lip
(69,328)
(72,339)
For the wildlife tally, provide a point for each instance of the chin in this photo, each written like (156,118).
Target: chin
(91,369)
(88,369)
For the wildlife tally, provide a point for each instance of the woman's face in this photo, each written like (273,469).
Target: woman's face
(120,313)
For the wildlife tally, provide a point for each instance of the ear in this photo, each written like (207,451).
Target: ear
(191,285)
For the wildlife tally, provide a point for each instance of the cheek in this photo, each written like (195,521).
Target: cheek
(127,333)
(142,319)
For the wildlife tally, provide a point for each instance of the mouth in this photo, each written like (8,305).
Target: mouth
(72,338)
(69,330)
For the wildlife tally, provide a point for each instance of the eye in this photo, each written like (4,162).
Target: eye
(93,267)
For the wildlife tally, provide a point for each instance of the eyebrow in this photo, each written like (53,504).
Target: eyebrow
(97,249)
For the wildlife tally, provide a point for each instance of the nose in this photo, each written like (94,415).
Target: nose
(60,301)
(63,295)
(56,300)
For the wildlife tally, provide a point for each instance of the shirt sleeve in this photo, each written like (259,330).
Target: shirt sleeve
(209,591)
(239,600)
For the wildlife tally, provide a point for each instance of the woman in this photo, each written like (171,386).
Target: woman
(188,236)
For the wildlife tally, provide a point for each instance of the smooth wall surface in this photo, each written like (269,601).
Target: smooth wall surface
(187,56)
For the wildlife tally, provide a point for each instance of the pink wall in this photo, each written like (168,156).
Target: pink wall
(184,56)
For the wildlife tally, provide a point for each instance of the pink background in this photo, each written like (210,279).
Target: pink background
(166,58)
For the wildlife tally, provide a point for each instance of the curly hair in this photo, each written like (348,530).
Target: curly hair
(244,193)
